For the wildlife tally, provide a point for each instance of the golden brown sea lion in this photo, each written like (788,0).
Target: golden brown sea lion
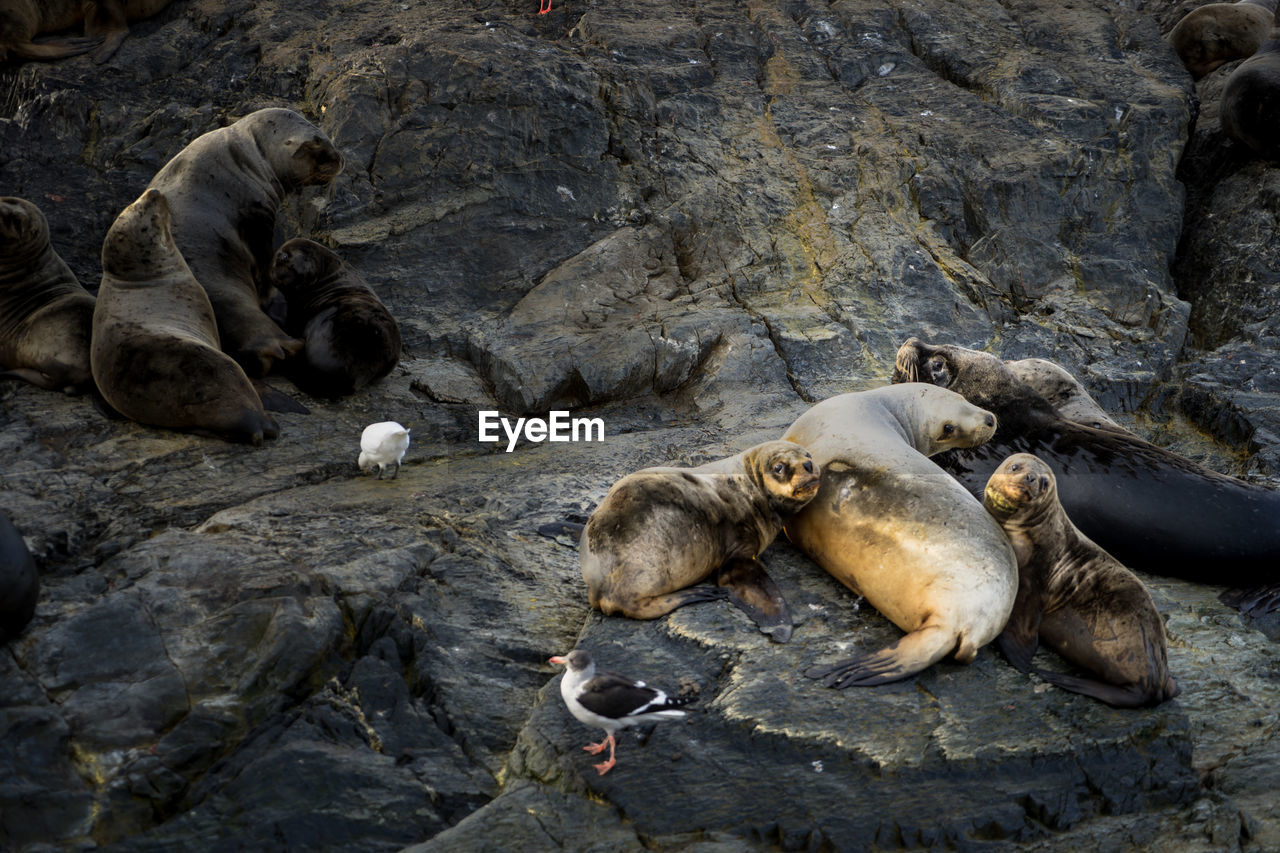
(659,531)
(892,526)
(1075,596)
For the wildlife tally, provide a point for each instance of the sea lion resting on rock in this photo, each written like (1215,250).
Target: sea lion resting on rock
(1151,509)
(1250,105)
(105,24)
(45,315)
(224,191)
(1062,391)
(1217,33)
(351,338)
(661,530)
(1075,596)
(155,353)
(893,527)
(19,583)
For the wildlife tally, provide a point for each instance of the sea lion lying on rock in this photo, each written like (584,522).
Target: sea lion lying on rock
(46,317)
(660,531)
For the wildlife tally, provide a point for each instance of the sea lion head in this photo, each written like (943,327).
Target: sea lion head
(980,377)
(299,263)
(22,228)
(1021,487)
(939,419)
(139,243)
(299,152)
(786,472)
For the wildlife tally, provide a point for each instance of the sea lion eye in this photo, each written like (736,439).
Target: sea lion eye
(779,468)
(948,429)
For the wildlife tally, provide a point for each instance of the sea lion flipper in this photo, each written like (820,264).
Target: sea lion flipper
(911,654)
(753,592)
(274,400)
(556,529)
(1018,647)
(1115,695)
(1256,601)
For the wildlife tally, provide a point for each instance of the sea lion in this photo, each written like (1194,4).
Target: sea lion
(155,353)
(891,526)
(105,26)
(19,583)
(1149,508)
(45,315)
(351,338)
(1075,596)
(224,191)
(1062,391)
(1217,33)
(661,530)
(1250,104)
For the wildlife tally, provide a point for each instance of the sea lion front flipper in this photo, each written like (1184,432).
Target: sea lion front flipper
(60,49)
(1018,647)
(1256,601)
(753,592)
(911,654)
(274,400)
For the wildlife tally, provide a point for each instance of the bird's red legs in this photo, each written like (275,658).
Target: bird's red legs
(597,748)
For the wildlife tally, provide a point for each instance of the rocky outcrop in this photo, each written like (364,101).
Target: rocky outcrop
(688,220)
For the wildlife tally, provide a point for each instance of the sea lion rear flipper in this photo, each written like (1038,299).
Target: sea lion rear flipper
(753,592)
(1256,601)
(274,400)
(911,654)
(1115,695)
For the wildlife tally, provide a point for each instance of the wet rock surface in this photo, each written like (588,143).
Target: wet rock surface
(689,220)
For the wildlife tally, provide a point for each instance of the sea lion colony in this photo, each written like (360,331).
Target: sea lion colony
(714,520)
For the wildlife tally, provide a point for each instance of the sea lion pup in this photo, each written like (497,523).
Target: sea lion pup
(1149,508)
(45,315)
(659,531)
(19,583)
(1075,596)
(1220,32)
(351,338)
(1250,104)
(224,191)
(893,527)
(1062,391)
(155,354)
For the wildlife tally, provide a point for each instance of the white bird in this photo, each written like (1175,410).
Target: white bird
(610,701)
(383,444)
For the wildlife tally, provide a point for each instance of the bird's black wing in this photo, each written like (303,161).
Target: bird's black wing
(616,696)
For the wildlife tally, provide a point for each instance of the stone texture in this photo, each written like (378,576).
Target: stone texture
(688,219)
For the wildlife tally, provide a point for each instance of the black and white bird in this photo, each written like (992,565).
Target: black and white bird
(610,701)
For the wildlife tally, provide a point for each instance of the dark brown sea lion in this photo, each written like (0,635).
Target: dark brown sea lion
(351,338)
(1075,596)
(1250,104)
(105,24)
(155,353)
(1217,33)
(893,527)
(659,531)
(224,191)
(1149,508)
(19,583)
(45,315)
